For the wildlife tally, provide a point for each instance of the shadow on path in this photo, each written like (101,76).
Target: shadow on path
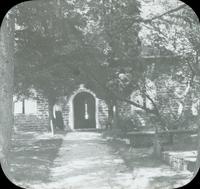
(32,155)
(85,160)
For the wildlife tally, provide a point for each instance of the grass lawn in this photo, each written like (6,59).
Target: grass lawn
(32,155)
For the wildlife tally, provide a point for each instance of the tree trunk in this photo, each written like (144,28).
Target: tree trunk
(23,106)
(110,115)
(6,89)
(156,144)
(197,166)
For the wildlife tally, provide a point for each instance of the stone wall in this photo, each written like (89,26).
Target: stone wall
(103,113)
(39,121)
(30,123)
(125,110)
(181,161)
(42,107)
(65,108)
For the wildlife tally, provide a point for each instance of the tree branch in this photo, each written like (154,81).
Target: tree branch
(168,12)
(156,17)
(114,95)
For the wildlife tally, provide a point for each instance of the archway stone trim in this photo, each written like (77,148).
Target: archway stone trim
(71,106)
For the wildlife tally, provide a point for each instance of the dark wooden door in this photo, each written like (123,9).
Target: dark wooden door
(84,111)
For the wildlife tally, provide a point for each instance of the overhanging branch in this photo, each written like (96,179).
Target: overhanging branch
(114,95)
(166,13)
(156,17)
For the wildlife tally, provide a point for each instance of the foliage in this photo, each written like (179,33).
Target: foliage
(64,43)
(46,46)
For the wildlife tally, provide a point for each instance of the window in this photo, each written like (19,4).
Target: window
(30,106)
(26,106)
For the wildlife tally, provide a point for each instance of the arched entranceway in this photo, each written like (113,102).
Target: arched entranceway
(84,108)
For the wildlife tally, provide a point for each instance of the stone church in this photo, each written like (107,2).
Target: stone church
(81,110)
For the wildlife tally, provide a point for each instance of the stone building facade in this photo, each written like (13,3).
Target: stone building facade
(82,104)
(76,110)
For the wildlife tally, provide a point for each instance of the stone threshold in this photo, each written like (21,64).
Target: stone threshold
(87,130)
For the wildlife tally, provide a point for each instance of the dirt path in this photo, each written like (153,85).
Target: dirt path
(86,161)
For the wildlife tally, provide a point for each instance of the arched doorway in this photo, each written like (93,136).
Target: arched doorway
(84,111)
